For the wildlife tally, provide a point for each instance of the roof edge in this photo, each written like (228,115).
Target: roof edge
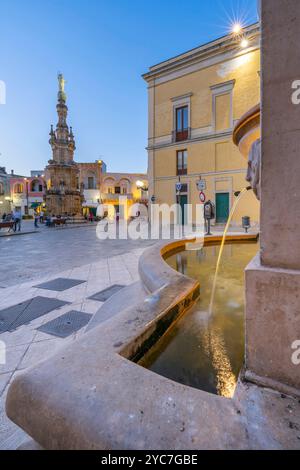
(200,51)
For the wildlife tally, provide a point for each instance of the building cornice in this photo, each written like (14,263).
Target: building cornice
(186,178)
(218,47)
(227,85)
(209,136)
(182,97)
(123,174)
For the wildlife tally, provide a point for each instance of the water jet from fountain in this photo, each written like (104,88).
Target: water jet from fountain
(239,195)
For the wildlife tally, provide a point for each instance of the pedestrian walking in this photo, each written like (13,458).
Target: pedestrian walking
(36,218)
(17,216)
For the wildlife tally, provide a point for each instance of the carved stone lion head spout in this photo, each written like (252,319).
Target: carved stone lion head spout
(254,164)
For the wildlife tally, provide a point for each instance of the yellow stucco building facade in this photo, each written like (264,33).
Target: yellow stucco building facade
(194,101)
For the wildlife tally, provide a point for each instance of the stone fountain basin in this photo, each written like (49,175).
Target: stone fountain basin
(247,130)
(90,396)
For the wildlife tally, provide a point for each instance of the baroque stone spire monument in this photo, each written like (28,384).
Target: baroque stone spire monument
(63,196)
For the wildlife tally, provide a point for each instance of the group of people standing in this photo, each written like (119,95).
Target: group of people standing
(38,217)
(15,217)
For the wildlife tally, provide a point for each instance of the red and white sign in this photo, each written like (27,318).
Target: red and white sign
(202,197)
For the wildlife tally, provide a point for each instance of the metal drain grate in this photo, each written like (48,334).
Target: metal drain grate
(60,284)
(66,324)
(25,312)
(105,294)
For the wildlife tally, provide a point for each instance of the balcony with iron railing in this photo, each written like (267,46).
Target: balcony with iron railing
(181,136)
(113,197)
(181,171)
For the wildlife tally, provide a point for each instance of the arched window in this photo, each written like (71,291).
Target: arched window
(18,189)
(108,186)
(36,186)
(125,186)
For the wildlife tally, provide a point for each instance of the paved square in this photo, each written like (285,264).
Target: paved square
(66,324)
(105,294)
(23,313)
(60,284)
(73,253)
(52,252)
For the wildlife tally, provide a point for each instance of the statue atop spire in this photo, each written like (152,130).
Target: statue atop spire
(62,140)
(61,87)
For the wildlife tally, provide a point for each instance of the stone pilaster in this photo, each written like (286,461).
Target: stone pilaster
(273,278)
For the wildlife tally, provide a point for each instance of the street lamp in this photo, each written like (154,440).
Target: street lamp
(237,32)
(143,188)
(236,29)
(27,196)
(244,43)
(140,184)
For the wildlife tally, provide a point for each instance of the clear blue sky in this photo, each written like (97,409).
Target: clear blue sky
(102,47)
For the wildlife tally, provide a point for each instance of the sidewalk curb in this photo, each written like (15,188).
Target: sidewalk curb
(14,234)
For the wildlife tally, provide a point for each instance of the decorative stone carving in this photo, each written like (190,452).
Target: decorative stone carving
(254,167)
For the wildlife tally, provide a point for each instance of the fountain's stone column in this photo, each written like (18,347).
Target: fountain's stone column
(273,278)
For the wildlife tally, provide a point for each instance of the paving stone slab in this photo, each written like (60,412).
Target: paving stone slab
(60,284)
(25,312)
(66,324)
(105,294)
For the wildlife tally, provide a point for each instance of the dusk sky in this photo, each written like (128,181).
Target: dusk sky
(102,47)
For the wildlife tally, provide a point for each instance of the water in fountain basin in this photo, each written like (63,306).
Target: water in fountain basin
(201,350)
